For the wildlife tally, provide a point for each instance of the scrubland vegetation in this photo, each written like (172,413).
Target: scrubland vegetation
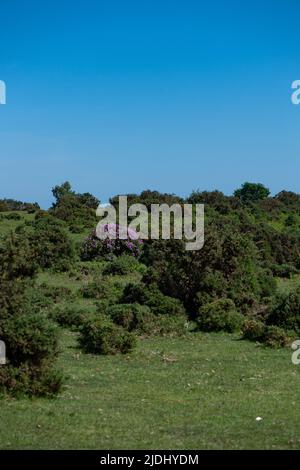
(131,345)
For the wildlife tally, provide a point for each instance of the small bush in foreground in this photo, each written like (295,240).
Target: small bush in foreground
(253,330)
(101,336)
(275,337)
(285,311)
(220,315)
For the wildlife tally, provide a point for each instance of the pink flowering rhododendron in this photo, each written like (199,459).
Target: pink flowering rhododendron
(94,247)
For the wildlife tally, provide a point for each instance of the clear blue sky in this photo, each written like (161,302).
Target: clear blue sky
(120,96)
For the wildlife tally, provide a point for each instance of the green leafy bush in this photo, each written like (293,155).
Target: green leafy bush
(275,337)
(253,330)
(102,288)
(100,335)
(220,315)
(285,311)
(30,337)
(159,303)
(72,316)
(50,243)
(141,320)
(123,265)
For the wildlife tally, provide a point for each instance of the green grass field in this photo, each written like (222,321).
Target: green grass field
(204,391)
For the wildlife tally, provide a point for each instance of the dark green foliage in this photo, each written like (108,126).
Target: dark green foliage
(49,242)
(272,336)
(276,337)
(11,216)
(220,315)
(100,335)
(159,303)
(253,329)
(70,315)
(102,288)
(132,316)
(147,198)
(252,192)
(31,379)
(77,210)
(13,205)
(141,320)
(285,311)
(122,265)
(227,266)
(30,338)
(284,270)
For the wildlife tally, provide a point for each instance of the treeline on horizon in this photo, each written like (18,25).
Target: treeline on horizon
(137,290)
(248,193)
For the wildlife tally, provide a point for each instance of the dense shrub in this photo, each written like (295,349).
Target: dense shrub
(74,208)
(275,337)
(122,265)
(132,316)
(49,242)
(102,288)
(11,216)
(69,315)
(253,329)
(30,338)
(285,311)
(283,270)
(220,315)
(100,335)
(227,266)
(96,248)
(159,303)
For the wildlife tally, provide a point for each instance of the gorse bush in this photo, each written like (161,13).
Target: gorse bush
(49,243)
(122,265)
(253,329)
(102,288)
(227,266)
(272,336)
(99,335)
(285,311)
(151,296)
(30,337)
(77,210)
(219,315)
(72,316)
(141,320)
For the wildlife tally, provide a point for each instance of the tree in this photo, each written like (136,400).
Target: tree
(252,192)
(61,190)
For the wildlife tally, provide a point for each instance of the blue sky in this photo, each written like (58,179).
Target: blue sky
(120,96)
